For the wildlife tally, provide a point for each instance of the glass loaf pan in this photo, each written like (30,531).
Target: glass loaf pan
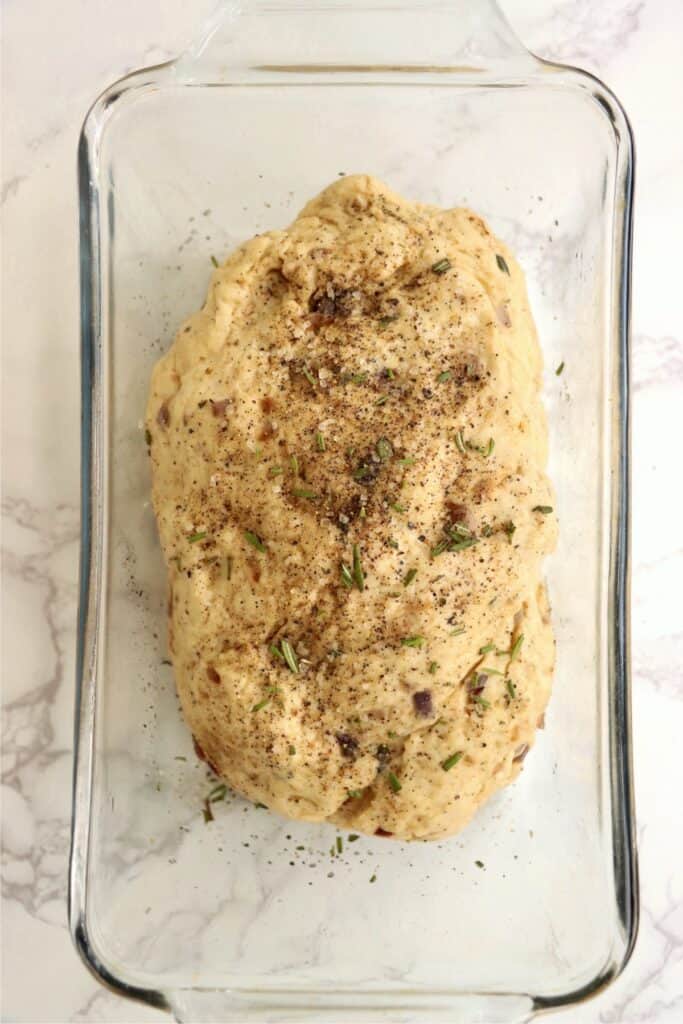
(177,163)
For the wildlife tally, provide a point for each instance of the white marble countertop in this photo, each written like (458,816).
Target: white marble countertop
(53,66)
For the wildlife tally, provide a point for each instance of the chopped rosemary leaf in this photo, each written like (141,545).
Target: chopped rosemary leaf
(382,400)
(308,375)
(217,793)
(500,260)
(460,442)
(180,757)
(433,668)
(409,577)
(560,368)
(214,260)
(275,470)
(358,576)
(509,529)
(489,448)
(294,463)
(373,878)
(352,838)
(255,541)
(340,844)
(478,699)
(261,704)
(441,266)
(397,507)
(491,671)
(384,449)
(355,794)
(439,548)
(459,530)
(458,631)
(386,320)
(514,650)
(406,462)
(412,641)
(545,509)
(207,812)
(304,492)
(354,378)
(487,649)
(511,688)
(320,441)
(451,761)
(346,575)
(444,376)
(276,652)
(194,537)
(289,655)
(479,863)
(460,545)
(291,749)
(392,543)
(394,783)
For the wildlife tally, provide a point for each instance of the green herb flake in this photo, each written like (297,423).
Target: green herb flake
(291,750)
(352,838)
(412,641)
(409,577)
(207,812)
(304,492)
(180,757)
(255,541)
(397,507)
(148,438)
(433,668)
(479,863)
(276,652)
(261,704)
(294,463)
(308,375)
(515,649)
(214,261)
(491,671)
(275,471)
(355,794)
(373,878)
(458,631)
(340,844)
(487,649)
(394,783)
(545,509)
(346,576)
(386,320)
(392,543)
(194,538)
(217,793)
(444,376)
(384,449)
(382,400)
(481,701)
(451,761)
(320,441)
(489,448)
(558,371)
(511,688)
(500,260)
(441,266)
(509,529)
(289,655)
(406,462)
(460,442)
(358,576)
(460,545)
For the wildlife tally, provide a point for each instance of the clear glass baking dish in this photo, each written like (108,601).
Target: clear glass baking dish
(250,917)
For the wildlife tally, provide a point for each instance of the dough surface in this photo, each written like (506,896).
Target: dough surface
(364,383)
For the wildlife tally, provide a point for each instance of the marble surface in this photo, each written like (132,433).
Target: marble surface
(51,70)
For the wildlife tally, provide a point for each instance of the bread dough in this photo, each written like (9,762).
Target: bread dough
(365,382)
